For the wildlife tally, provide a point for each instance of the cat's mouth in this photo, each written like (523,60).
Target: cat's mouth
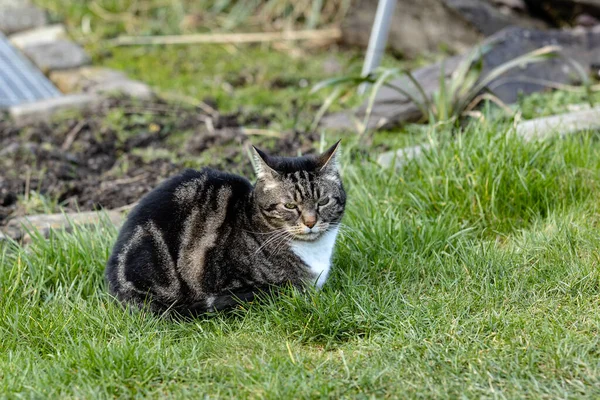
(309,237)
(308,234)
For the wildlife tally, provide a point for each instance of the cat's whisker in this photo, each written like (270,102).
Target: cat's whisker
(278,244)
(266,233)
(282,243)
(271,239)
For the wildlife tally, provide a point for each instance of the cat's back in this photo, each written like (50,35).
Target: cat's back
(185,192)
(194,197)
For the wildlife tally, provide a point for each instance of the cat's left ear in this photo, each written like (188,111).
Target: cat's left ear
(261,167)
(328,161)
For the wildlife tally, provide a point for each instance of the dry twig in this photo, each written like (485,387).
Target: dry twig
(72,135)
(332,34)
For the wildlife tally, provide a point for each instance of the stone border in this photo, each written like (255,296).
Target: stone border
(530,130)
(64,62)
(84,87)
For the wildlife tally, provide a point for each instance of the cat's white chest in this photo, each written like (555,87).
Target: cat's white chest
(317,254)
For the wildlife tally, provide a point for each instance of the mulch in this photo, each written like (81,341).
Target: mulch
(97,160)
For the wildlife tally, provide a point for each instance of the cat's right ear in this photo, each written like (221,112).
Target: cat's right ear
(259,162)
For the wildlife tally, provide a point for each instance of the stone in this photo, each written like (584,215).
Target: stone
(391,108)
(586,21)
(401,156)
(418,26)
(19,228)
(564,11)
(40,35)
(530,130)
(20,17)
(82,79)
(426,26)
(57,55)
(45,110)
(125,87)
(562,124)
(488,19)
(100,81)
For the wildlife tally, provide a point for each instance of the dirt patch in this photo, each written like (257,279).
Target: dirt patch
(113,156)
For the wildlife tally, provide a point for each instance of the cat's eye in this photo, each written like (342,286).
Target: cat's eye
(324,202)
(290,206)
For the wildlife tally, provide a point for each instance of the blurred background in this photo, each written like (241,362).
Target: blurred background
(139,89)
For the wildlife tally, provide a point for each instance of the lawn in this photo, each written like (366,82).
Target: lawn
(473,272)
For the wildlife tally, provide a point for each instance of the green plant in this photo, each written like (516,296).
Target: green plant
(472,273)
(456,96)
(108,18)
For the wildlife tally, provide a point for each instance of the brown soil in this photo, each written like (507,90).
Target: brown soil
(113,156)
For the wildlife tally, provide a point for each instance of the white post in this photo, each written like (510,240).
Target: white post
(378,38)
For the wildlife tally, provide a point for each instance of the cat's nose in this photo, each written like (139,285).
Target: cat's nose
(309,220)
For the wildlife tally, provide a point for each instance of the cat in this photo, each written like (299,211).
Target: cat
(204,241)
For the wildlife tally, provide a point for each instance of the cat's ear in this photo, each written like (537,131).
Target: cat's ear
(261,167)
(328,161)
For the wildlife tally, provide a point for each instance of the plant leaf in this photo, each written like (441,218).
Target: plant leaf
(383,77)
(352,80)
(538,55)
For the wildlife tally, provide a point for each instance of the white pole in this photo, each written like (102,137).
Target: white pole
(378,38)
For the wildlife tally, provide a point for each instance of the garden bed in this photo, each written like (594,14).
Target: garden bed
(112,156)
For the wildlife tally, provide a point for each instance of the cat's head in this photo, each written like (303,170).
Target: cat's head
(301,195)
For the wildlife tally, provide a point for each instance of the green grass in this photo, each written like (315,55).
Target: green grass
(108,18)
(255,79)
(556,102)
(472,273)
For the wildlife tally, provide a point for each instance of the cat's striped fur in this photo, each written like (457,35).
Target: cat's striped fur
(204,240)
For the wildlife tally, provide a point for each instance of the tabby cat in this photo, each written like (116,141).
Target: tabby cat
(204,240)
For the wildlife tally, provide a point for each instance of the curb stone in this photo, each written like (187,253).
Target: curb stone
(44,34)
(18,228)
(45,110)
(20,16)
(57,55)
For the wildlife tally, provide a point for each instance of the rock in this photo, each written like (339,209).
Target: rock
(40,35)
(20,16)
(126,87)
(488,19)
(19,228)
(563,124)
(425,26)
(564,11)
(418,26)
(82,79)
(100,81)
(57,55)
(534,129)
(45,110)
(391,108)
(586,20)
(401,156)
